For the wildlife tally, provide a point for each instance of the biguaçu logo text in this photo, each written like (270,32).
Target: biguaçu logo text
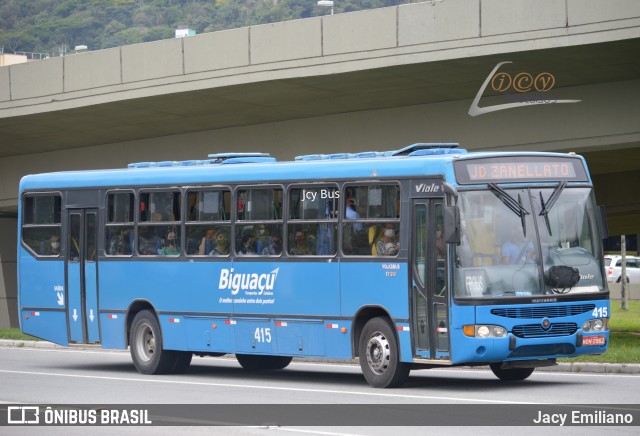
(236,282)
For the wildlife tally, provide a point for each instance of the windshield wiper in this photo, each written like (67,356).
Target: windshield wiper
(550,202)
(515,206)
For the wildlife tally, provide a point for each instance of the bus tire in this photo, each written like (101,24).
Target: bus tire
(145,342)
(253,362)
(181,362)
(510,374)
(380,355)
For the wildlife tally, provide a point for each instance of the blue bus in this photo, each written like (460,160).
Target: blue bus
(421,257)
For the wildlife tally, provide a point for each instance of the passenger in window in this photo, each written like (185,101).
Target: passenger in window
(262,239)
(351,213)
(247,246)
(301,245)
(120,244)
(51,247)
(274,248)
(170,245)
(375,234)
(221,247)
(208,242)
(388,245)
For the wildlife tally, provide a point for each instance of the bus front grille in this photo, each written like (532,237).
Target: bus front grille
(536,330)
(543,311)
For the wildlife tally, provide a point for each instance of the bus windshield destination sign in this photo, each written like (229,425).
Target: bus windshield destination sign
(496,170)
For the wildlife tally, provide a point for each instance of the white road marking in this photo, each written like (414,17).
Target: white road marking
(274,388)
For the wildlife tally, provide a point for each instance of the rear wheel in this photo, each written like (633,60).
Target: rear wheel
(380,356)
(510,374)
(145,341)
(620,279)
(181,362)
(253,362)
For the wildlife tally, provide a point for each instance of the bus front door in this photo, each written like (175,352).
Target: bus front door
(430,298)
(82,293)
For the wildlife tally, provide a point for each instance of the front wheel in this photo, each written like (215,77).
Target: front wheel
(510,374)
(380,356)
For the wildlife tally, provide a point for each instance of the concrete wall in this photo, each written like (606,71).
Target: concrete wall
(8,276)
(346,42)
(556,127)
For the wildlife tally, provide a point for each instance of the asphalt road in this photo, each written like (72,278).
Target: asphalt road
(52,376)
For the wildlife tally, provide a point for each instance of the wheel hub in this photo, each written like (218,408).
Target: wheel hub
(378,353)
(146,342)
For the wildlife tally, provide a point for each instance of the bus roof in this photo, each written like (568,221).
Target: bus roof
(413,161)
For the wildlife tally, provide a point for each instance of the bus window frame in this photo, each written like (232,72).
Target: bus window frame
(302,221)
(178,224)
(186,222)
(60,225)
(370,221)
(116,224)
(235,222)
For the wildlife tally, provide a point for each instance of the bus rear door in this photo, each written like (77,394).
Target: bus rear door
(82,303)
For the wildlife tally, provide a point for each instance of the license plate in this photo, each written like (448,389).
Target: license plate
(594,340)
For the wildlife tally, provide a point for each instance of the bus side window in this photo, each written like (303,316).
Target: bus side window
(366,209)
(41,224)
(208,226)
(159,223)
(259,222)
(119,224)
(312,225)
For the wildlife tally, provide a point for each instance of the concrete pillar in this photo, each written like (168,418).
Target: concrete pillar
(8,273)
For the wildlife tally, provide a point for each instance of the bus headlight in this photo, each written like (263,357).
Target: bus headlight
(596,325)
(484,331)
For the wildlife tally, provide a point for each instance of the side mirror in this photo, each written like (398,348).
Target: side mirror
(604,227)
(452,224)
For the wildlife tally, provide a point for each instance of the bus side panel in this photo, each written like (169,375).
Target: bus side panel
(174,332)
(254,336)
(42,290)
(45,324)
(209,335)
(382,284)
(188,290)
(283,288)
(338,342)
(112,329)
(300,337)
(404,340)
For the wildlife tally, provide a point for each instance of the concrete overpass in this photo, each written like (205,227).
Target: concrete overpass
(371,80)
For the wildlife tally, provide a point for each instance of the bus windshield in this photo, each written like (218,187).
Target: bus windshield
(527,242)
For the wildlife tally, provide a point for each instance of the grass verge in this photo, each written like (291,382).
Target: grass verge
(16,334)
